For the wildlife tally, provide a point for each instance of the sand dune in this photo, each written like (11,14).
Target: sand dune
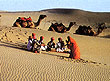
(19,64)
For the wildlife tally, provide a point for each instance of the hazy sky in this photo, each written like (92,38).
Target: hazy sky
(36,5)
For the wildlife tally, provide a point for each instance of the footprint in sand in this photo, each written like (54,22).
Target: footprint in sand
(80,61)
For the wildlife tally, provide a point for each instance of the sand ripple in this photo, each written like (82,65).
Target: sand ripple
(18,65)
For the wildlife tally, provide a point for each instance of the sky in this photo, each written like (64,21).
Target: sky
(37,5)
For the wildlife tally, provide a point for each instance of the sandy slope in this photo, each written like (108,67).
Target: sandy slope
(19,64)
(23,65)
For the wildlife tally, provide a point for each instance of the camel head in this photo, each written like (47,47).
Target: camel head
(42,16)
(72,23)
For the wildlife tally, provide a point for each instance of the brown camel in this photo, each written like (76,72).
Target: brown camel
(60,28)
(27,22)
(87,30)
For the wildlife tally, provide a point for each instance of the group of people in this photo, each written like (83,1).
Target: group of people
(37,46)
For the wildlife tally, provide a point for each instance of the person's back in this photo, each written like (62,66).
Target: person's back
(29,45)
(35,46)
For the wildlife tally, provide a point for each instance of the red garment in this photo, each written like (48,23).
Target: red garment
(22,18)
(34,35)
(75,52)
(29,19)
(42,37)
(52,38)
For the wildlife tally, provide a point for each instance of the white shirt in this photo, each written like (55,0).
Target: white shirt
(40,42)
(58,45)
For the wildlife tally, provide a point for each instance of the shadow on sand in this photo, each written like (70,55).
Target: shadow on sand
(49,53)
(18,45)
(23,46)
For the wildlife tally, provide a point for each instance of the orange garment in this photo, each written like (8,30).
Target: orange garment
(75,52)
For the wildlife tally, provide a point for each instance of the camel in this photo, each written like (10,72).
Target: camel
(27,22)
(60,28)
(87,30)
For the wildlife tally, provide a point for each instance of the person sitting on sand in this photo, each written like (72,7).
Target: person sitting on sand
(34,40)
(74,49)
(40,42)
(60,46)
(29,45)
(60,28)
(35,44)
(51,44)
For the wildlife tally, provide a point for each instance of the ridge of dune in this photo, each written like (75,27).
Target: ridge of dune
(66,16)
(82,16)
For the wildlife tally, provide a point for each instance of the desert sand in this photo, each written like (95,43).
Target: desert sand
(18,64)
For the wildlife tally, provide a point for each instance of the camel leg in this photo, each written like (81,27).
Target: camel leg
(17,24)
(31,24)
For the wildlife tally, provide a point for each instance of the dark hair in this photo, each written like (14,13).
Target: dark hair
(30,37)
(59,38)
